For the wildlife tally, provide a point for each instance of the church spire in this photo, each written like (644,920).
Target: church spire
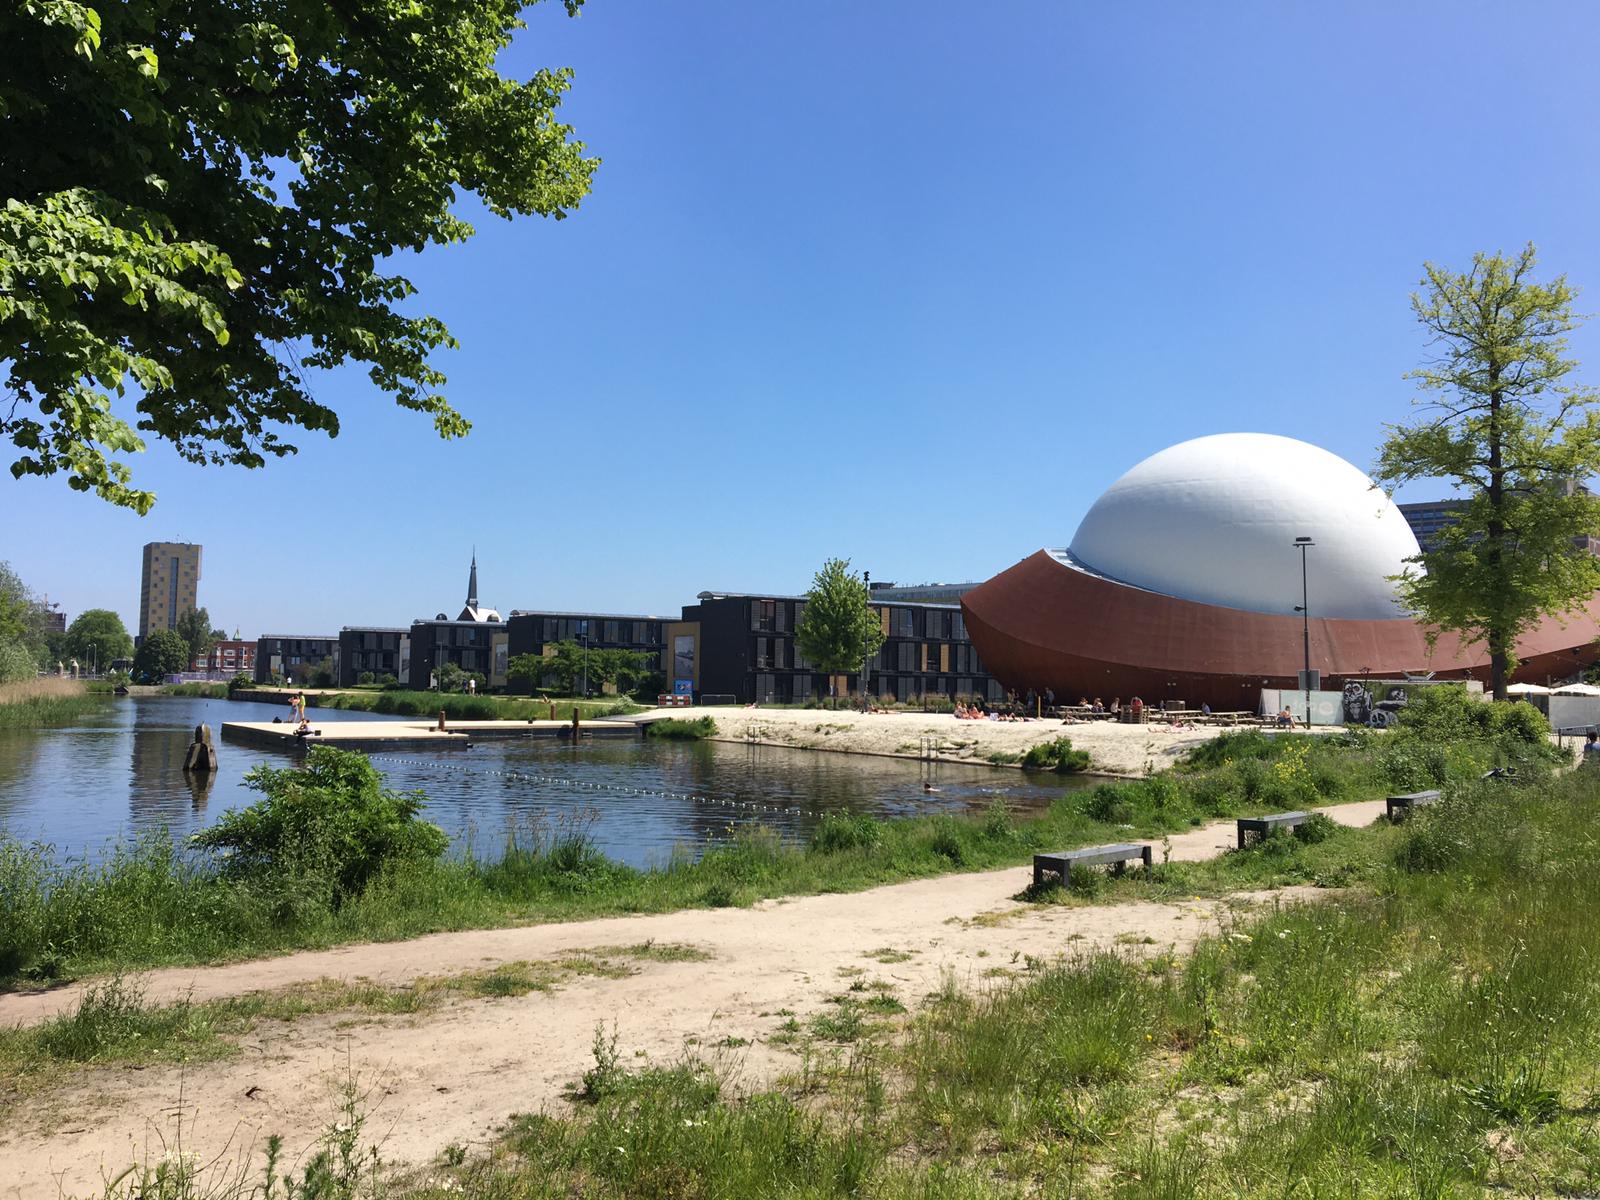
(472,581)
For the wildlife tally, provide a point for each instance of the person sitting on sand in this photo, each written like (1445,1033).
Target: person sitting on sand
(1116,706)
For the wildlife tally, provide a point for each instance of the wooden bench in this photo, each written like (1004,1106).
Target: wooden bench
(1262,826)
(1063,861)
(1407,801)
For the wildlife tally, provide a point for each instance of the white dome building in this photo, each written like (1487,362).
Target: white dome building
(1214,520)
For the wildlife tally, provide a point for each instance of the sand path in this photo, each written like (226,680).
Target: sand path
(454,1074)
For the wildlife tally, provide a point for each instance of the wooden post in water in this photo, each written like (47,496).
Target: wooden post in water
(202,755)
(441,721)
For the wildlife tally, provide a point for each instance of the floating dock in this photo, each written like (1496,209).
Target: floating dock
(390,735)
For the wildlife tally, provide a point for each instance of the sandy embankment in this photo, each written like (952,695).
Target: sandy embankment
(1114,748)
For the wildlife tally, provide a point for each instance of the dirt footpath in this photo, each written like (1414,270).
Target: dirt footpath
(453,1075)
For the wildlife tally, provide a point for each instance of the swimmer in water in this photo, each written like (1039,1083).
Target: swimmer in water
(928,787)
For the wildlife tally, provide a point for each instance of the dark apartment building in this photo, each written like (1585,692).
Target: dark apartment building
(533,632)
(277,654)
(1429,517)
(369,648)
(740,645)
(472,645)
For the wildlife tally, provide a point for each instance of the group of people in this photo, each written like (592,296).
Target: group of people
(976,712)
(297,715)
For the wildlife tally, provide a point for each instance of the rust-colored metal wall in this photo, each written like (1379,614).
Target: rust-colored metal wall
(1042,624)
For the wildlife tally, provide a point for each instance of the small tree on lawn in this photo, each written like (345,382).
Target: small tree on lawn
(563,665)
(526,668)
(163,653)
(624,668)
(838,631)
(1502,423)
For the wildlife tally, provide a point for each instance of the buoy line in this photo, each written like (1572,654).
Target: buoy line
(581,785)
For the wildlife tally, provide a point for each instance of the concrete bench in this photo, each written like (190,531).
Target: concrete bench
(1406,801)
(1063,861)
(1262,826)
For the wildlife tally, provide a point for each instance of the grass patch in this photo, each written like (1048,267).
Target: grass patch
(462,707)
(680,730)
(37,703)
(208,691)
(113,1024)
(1057,756)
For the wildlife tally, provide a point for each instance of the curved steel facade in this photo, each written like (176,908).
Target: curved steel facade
(1042,624)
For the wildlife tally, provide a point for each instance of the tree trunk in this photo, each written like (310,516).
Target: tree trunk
(1498,649)
(1498,661)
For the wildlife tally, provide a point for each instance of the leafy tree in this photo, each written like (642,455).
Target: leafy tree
(620,667)
(1502,423)
(201,201)
(528,669)
(22,622)
(162,653)
(16,606)
(97,633)
(194,626)
(450,677)
(838,631)
(562,665)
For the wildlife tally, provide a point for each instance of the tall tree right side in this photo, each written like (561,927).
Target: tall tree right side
(1499,419)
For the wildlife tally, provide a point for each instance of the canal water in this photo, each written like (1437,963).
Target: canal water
(118,774)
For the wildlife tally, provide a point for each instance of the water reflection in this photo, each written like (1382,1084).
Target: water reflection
(122,773)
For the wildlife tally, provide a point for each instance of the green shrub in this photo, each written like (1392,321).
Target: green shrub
(1058,756)
(677,729)
(1318,827)
(331,822)
(1237,745)
(947,841)
(1111,803)
(366,678)
(239,683)
(846,831)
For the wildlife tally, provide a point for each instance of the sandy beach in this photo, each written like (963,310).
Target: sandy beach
(1114,749)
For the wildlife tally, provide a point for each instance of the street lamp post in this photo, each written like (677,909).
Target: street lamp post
(866,661)
(583,628)
(1303,544)
(94,660)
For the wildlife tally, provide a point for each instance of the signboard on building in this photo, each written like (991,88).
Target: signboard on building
(683,687)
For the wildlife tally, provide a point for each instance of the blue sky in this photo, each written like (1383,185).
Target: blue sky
(906,283)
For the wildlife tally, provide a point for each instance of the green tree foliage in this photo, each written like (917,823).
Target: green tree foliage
(527,669)
(838,631)
(561,666)
(24,645)
(450,677)
(1500,420)
(622,668)
(97,633)
(331,822)
(194,626)
(202,203)
(162,653)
